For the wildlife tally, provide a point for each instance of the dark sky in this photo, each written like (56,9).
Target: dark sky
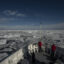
(31,12)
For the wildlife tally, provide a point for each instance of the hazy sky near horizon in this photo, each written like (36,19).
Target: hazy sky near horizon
(19,14)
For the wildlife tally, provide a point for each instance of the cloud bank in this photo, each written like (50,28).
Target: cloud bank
(59,26)
(10,17)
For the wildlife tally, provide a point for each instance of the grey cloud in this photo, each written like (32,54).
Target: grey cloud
(13,13)
(9,12)
(54,26)
(21,15)
(3,19)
